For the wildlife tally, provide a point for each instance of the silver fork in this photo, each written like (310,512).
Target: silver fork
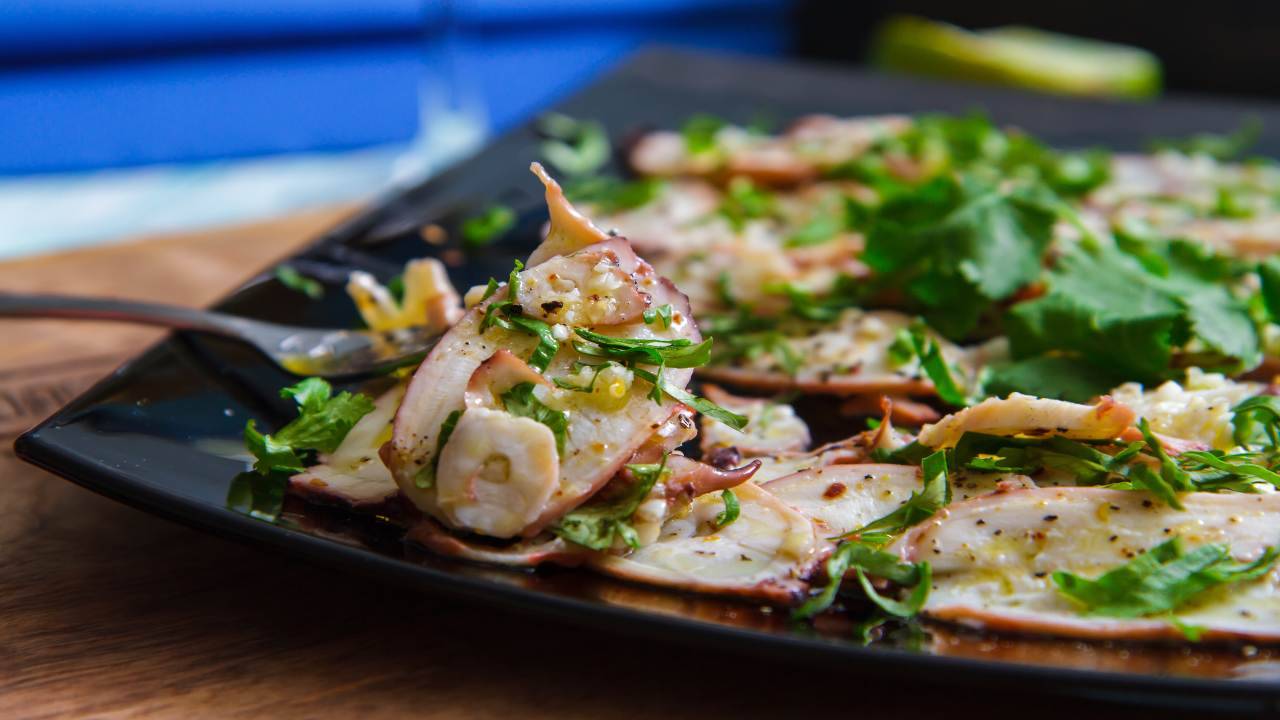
(302,351)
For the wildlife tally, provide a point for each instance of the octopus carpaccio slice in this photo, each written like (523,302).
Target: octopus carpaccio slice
(354,473)
(766,554)
(993,559)
(848,357)
(1198,410)
(772,427)
(600,438)
(810,145)
(842,498)
(535,551)
(851,450)
(1021,414)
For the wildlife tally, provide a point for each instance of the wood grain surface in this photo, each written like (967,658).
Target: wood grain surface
(108,612)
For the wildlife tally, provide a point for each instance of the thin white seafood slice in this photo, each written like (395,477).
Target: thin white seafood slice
(1198,409)
(842,498)
(798,155)
(993,559)
(779,465)
(1030,416)
(599,439)
(674,222)
(354,474)
(772,427)
(766,554)
(848,357)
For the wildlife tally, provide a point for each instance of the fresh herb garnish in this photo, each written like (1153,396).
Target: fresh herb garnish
(935,366)
(699,133)
(521,402)
(932,497)
(575,147)
(322,423)
(1219,146)
(596,524)
(1160,580)
(958,246)
(506,314)
(731,509)
(662,313)
(289,276)
(257,495)
(744,201)
(1255,419)
(488,225)
(610,195)
(867,559)
(426,477)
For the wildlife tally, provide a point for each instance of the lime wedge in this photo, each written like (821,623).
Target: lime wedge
(1017,57)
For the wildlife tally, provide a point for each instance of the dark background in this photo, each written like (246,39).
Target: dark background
(1223,48)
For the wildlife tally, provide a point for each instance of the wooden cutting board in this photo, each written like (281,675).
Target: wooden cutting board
(109,612)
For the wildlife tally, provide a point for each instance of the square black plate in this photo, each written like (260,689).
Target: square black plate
(163,433)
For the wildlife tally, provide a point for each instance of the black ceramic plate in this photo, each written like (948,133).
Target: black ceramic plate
(162,432)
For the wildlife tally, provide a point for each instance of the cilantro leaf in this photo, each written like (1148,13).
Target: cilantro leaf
(289,276)
(1160,580)
(256,495)
(520,401)
(322,423)
(1049,376)
(699,133)
(956,246)
(596,524)
(487,226)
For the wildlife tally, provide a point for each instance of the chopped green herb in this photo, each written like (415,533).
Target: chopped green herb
(1228,146)
(506,315)
(596,524)
(1160,580)
(731,509)
(489,225)
(520,401)
(575,147)
(294,280)
(922,504)
(700,133)
(701,404)
(426,477)
(1255,419)
(867,559)
(744,201)
(257,495)
(322,423)
(662,312)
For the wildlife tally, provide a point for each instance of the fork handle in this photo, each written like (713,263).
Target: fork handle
(70,307)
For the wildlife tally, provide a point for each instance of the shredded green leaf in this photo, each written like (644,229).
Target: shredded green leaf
(1161,580)
(661,313)
(322,423)
(868,559)
(426,477)
(731,509)
(521,402)
(596,524)
(294,280)
(922,504)
(489,225)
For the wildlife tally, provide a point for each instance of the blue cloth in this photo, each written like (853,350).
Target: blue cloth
(105,83)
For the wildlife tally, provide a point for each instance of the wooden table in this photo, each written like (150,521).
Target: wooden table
(109,612)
